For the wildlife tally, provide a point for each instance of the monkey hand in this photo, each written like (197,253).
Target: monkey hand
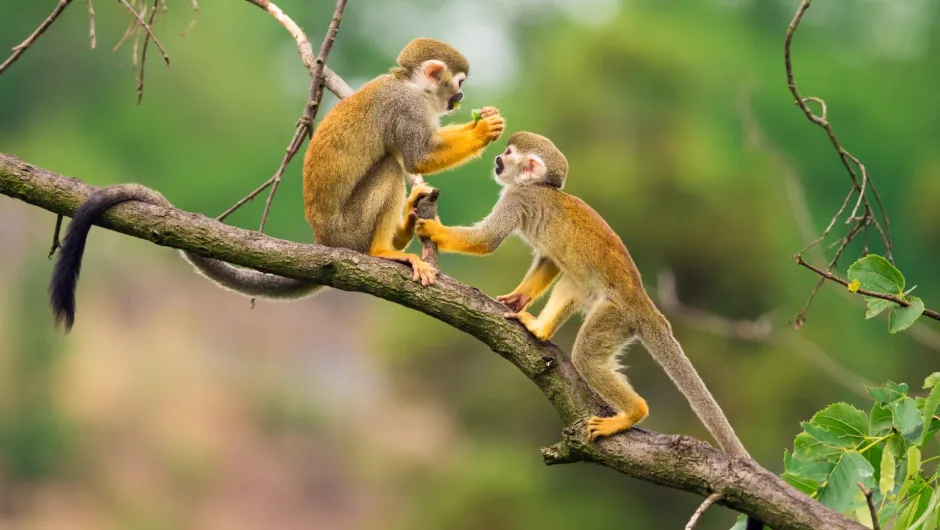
(430,229)
(490,126)
(515,301)
(530,323)
(417,193)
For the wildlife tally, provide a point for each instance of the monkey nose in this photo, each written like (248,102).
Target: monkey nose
(499,165)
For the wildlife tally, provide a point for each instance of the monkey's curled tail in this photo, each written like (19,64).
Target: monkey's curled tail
(68,267)
(658,339)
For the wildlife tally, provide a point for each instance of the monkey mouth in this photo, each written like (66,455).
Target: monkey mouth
(454,100)
(499,165)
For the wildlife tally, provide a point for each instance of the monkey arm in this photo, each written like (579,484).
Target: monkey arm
(451,146)
(482,238)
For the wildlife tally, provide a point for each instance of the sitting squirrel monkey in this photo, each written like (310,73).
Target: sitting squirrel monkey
(597,276)
(354,175)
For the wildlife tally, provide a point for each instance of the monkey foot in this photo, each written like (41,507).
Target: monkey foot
(526,319)
(424,272)
(598,427)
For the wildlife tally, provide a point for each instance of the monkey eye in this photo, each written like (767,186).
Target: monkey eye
(460,83)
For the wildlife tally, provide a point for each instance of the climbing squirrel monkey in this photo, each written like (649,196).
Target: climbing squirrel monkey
(595,274)
(354,175)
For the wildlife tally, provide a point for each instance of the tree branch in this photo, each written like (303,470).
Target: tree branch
(678,462)
(889,297)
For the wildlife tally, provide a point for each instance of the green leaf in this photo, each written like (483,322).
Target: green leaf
(877,274)
(904,317)
(881,421)
(811,461)
(888,392)
(876,306)
(907,419)
(888,457)
(842,486)
(922,497)
(930,408)
(476,114)
(807,486)
(741,523)
(932,380)
(838,425)
(913,470)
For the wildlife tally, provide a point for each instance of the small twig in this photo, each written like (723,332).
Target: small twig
(143,54)
(889,297)
(701,509)
(166,57)
(131,26)
(305,124)
(91,23)
(195,18)
(333,82)
(427,209)
(20,48)
(305,127)
(55,236)
(875,524)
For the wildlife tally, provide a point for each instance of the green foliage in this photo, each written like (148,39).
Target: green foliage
(842,448)
(476,114)
(875,274)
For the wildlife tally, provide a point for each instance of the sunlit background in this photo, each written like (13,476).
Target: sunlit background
(174,405)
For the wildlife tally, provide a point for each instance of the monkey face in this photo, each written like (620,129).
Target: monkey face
(515,168)
(442,85)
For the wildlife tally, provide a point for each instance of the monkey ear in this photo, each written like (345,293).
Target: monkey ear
(534,166)
(433,70)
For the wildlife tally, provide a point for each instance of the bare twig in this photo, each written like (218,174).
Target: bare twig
(305,124)
(143,54)
(195,18)
(875,524)
(701,509)
(862,221)
(20,48)
(55,235)
(826,275)
(148,29)
(333,82)
(91,23)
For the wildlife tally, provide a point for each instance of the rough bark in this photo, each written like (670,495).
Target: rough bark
(675,461)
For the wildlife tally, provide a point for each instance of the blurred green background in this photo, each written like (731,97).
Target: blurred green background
(174,405)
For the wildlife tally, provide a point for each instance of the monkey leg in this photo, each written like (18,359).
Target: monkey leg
(423,272)
(540,276)
(406,230)
(600,339)
(562,303)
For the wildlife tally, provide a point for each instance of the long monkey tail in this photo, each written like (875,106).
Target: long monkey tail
(657,336)
(68,267)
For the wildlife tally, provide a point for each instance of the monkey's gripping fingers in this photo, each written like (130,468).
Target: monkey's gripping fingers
(486,112)
(429,229)
(423,272)
(515,301)
(417,193)
(490,127)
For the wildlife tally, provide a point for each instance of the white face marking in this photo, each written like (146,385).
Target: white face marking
(519,168)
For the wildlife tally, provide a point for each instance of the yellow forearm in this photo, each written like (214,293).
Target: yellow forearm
(453,147)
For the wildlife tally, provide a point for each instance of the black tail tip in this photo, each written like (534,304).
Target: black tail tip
(754,524)
(63,309)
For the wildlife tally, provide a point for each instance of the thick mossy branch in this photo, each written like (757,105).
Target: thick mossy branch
(675,461)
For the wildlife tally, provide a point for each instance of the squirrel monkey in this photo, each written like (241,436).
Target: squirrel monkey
(595,274)
(353,175)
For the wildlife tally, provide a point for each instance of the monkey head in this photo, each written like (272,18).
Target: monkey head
(531,158)
(437,67)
